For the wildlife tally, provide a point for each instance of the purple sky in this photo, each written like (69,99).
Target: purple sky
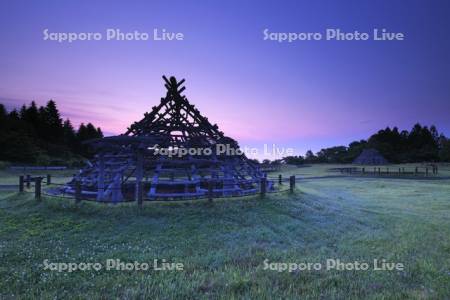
(304,95)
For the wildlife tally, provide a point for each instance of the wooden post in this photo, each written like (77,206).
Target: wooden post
(77,191)
(21,183)
(37,189)
(399,171)
(101,178)
(416,171)
(139,176)
(116,193)
(436,169)
(210,190)
(263,186)
(280,179)
(28,181)
(364,170)
(139,191)
(379,171)
(49,179)
(292,183)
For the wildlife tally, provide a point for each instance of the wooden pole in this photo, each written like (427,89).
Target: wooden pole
(139,176)
(37,189)
(263,186)
(28,181)
(77,191)
(21,183)
(139,191)
(210,190)
(280,179)
(101,178)
(49,179)
(116,194)
(292,183)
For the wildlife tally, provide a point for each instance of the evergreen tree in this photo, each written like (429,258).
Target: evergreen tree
(294,160)
(310,157)
(14,115)
(444,152)
(3,116)
(52,121)
(92,132)
(85,133)
(39,134)
(99,132)
(69,135)
(23,113)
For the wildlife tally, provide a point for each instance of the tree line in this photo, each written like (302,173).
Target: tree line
(421,144)
(39,135)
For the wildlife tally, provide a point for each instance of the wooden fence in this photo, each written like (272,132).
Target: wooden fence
(25,184)
(390,171)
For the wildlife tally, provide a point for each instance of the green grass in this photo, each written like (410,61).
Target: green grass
(223,245)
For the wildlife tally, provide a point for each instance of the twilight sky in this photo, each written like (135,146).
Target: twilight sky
(303,95)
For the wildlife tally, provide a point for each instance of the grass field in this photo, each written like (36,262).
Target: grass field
(223,245)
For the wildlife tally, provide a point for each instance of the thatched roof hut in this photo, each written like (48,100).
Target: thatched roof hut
(370,157)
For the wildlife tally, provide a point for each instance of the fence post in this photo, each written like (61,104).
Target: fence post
(28,181)
(416,171)
(210,190)
(379,171)
(77,191)
(280,179)
(364,170)
(139,174)
(37,189)
(436,169)
(139,191)
(49,179)
(21,183)
(292,183)
(263,186)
